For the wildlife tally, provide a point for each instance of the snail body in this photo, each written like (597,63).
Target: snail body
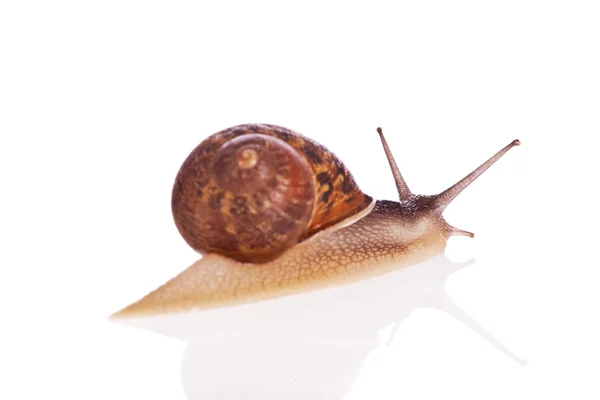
(274,213)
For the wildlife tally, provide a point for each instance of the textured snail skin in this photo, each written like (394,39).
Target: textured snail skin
(383,236)
(386,238)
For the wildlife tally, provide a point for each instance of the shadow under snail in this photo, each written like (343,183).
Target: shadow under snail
(274,213)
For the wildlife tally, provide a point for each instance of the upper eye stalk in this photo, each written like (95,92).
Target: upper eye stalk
(438,203)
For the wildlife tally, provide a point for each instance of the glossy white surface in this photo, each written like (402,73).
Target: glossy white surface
(100,103)
(311,345)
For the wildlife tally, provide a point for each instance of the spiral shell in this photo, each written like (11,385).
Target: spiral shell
(252,191)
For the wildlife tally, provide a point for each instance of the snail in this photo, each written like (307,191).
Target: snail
(274,213)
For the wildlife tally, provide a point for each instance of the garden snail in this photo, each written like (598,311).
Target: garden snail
(275,213)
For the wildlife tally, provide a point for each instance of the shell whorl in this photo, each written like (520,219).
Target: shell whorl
(252,191)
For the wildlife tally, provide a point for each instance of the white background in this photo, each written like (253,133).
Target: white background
(100,102)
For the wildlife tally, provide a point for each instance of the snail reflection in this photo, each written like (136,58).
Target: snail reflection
(311,345)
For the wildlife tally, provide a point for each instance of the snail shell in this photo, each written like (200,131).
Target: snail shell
(252,191)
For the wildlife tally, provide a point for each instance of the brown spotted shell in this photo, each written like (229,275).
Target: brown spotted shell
(252,191)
